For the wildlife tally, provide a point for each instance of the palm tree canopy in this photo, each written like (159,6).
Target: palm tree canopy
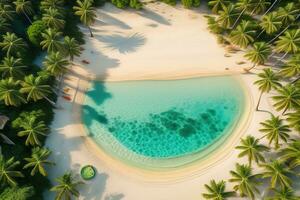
(289,43)
(10,92)
(275,130)
(4,26)
(217,5)
(288,98)
(259,53)
(243,34)
(53,18)
(85,11)
(38,160)
(271,23)
(35,88)
(67,186)
(267,80)
(245,180)
(288,13)
(227,16)
(51,40)
(284,194)
(71,47)
(8,172)
(217,191)
(23,6)
(291,154)
(251,148)
(12,44)
(278,173)
(292,67)
(293,120)
(54,4)
(6,11)
(56,64)
(12,67)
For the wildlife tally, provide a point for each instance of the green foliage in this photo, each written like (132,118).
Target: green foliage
(190,3)
(170,2)
(135,4)
(34,32)
(17,193)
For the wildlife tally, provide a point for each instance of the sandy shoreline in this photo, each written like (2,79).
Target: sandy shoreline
(138,46)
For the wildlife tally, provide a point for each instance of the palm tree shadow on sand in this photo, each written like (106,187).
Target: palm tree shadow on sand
(114,197)
(124,44)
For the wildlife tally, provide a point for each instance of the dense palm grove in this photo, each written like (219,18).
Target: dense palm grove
(268,32)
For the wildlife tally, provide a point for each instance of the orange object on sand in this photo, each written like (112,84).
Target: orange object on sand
(67,98)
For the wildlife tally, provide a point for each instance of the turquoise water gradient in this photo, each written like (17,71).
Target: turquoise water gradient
(161,119)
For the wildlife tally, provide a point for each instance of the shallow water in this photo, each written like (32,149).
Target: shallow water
(161,119)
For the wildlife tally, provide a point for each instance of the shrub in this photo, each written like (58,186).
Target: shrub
(24,193)
(135,4)
(34,32)
(190,3)
(170,2)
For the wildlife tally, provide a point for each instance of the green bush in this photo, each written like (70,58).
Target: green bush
(190,3)
(170,2)
(16,193)
(135,4)
(34,32)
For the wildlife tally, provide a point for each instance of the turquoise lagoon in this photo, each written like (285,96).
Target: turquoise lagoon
(161,124)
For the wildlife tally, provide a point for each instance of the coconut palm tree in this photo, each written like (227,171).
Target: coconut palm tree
(51,40)
(260,6)
(278,174)
(284,194)
(6,11)
(291,154)
(12,67)
(243,6)
(217,191)
(54,4)
(288,98)
(258,55)
(38,161)
(56,64)
(35,89)
(4,26)
(53,18)
(288,13)
(86,12)
(267,81)
(71,47)
(245,180)
(289,43)
(243,34)
(8,172)
(293,120)
(275,130)
(67,187)
(33,129)
(10,92)
(227,16)
(25,7)
(12,44)
(270,24)
(251,148)
(291,67)
(218,5)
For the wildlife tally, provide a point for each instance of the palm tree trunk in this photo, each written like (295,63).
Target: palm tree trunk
(279,34)
(283,113)
(258,102)
(259,34)
(236,21)
(251,67)
(294,81)
(255,8)
(27,17)
(270,8)
(91,31)
(284,55)
(50,101)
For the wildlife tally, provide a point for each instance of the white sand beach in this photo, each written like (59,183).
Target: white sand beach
(159,42)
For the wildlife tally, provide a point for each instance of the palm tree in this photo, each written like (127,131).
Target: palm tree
(243,6)
(7,172)
(51,40)
(25,7)
(4,26)
(243,34)
(288,98)
(218,5)
(56,64)
(245,180)
(260,6)
(12,67)
(53,18)
(291,154)
(278,173)
(292,67)
(268,80)
(36,89)
(289,43)
(38,160)
(251,148)
(288,13)
(217,191)
(10,92)
(293,120)
(33,129)
(67,187)
(86,12)
(275,130)
(54,4)
(273,4)
(71,47)
(259,54)
(227,16)
(284,194)
(12,44)
(6,11)
(270,23)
